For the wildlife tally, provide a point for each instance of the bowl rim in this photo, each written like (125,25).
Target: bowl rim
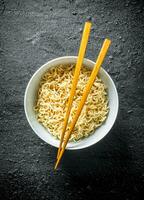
(85,60)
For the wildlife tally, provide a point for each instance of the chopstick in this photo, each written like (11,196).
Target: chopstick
(91,80)
(80,58)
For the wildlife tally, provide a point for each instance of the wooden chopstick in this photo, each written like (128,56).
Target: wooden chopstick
(80,58)
(91,80)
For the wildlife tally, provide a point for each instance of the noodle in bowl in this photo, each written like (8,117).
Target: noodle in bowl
(48,92)
(53,94)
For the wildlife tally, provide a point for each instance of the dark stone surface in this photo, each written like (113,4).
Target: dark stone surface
(33,32)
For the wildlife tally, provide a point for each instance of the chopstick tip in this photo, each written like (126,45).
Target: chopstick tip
(88,22)
(55,167)
(108,40)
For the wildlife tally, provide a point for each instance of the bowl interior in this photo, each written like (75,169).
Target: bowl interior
(30,99)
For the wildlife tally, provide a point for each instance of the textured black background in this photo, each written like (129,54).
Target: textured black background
(33,32)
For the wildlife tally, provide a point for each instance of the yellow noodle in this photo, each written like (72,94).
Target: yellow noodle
(53,97)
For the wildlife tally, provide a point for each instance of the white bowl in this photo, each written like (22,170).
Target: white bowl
(30,98)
